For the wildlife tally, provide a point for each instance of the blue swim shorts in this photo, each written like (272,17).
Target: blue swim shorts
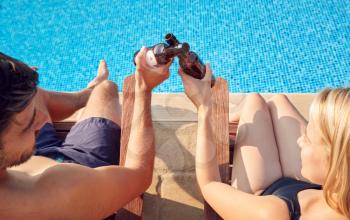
(93,142)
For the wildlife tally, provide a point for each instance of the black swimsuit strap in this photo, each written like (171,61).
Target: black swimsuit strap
(287,189)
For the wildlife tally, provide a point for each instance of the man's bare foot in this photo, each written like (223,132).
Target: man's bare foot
(102,75)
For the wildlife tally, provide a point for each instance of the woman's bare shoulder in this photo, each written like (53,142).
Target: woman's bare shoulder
(314,206)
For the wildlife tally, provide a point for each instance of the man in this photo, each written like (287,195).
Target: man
(77,179)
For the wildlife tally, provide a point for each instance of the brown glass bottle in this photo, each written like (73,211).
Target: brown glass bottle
(161,54)
(189,61)
(192,65)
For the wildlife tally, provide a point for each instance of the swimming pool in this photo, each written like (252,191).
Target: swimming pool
(261,46)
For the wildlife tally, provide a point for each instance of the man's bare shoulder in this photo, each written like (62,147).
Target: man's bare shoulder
(45,180)
(25,194)
(68,191)
(35,165)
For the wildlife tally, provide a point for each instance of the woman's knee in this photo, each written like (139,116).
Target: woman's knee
(256,100)
(278,98)
(254,107)
(279,102)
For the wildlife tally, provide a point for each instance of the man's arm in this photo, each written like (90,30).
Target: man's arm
(141,147)
(71,191)
(75,192)
(85,193)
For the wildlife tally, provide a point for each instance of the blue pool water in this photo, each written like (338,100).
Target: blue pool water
(261,46)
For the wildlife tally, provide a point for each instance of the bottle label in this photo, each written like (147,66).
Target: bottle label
(151,59)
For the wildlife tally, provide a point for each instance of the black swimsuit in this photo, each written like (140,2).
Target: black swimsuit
(287,189)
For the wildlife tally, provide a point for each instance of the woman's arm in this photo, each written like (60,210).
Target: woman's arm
(231,203)
(227,201)
(199,92)
(207,169)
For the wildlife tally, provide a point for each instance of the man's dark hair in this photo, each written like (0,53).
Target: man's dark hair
(18,85)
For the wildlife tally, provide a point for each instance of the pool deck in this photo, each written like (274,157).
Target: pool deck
(174,193)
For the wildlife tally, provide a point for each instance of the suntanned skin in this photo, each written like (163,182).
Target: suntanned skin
(44,189)
(266,149)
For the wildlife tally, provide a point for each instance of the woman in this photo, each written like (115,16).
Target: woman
(273,177)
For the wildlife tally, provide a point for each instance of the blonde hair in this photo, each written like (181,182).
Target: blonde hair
(331,113)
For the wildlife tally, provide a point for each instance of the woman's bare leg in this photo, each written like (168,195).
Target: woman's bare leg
(288,125)
(256,162)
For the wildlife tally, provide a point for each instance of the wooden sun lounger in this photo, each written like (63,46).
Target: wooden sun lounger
(224,135)
(209,213)
(133,210)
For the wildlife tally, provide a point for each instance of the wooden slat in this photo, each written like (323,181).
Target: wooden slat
(63,126)
(127,113)
(133,210)
(62,129)
(220,124)
(233,126)
(209,213)
(62,135)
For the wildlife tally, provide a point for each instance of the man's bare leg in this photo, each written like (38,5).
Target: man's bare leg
(104,103)
(60,105)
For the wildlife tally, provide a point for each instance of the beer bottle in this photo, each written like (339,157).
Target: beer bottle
(161,54)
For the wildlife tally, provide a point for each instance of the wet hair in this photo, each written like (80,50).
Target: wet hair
(18,86)
(331,113)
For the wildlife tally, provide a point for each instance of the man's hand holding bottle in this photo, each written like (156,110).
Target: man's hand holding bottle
(147,76)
